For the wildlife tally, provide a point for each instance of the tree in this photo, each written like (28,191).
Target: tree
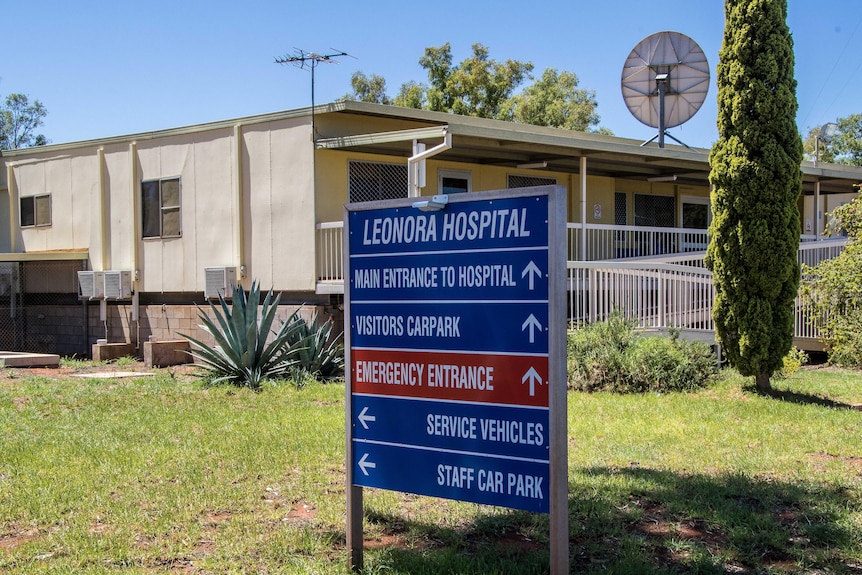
(18,121)
(483,87)
(846,145)
(368,89)
(833,289)
(478,86)
(555,100)
(757,178)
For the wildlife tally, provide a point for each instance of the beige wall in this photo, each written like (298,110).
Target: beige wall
(332,185)
(270,189)
(827,204)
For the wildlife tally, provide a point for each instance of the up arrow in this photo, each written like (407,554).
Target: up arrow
(533,377)
(532,272)
(365,465)
(533,324)
(364,419)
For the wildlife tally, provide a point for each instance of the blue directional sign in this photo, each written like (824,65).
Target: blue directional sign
(449,347)
(505,481)
(450,425)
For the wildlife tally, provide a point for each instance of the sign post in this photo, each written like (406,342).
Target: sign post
(456,377)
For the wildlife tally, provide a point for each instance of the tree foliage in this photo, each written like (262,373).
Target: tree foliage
(487,88)
(19,120)
(833,288)
(845,147)
(368,88)
(478,86)
(756,174)
(554,100)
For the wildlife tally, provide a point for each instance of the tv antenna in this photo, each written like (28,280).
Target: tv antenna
(310,60)
(664,82)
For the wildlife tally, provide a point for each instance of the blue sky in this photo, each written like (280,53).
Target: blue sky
(112,68)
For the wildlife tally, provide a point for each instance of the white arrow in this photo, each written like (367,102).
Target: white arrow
(533,376)
(533,324)
(365,465)
(363,419)
(533,271)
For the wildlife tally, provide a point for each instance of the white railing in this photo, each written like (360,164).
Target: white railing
(671,289)
(330,251)
(812,253)
(607,242)
(653,294)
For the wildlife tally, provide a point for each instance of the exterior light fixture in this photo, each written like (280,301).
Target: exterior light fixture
(827,132)
(435,204)
(671,178)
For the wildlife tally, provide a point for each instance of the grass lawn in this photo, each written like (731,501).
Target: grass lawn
(163,475)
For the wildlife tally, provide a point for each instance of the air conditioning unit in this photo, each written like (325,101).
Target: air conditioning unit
(118,284)
(92,284)
(219,281)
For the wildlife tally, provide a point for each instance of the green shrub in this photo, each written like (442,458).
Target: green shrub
(612,356)
(242,356)
(833,289)
(316,352)
(794,359)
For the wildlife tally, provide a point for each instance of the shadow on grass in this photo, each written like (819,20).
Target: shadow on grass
(638,520)
(800,398)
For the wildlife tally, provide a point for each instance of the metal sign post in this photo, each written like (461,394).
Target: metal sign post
(456,381)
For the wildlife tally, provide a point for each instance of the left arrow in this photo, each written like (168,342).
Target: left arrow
(364,419)
(365,465)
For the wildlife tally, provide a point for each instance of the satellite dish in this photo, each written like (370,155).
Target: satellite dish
(664,82)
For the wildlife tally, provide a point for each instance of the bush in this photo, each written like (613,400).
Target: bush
(316,353)
(833,289)
(794,360)
(612,356)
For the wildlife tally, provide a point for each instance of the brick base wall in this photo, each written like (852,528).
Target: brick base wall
(166,321)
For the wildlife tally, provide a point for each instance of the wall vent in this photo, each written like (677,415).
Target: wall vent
(118,284)
(92,284)
(219,281)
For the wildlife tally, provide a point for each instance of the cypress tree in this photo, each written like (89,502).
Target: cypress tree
(755,171)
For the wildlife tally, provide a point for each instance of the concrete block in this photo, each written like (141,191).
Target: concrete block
(109,351)
(18,359)
(161,353)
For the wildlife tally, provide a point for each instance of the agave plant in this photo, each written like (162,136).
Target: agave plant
(242,355)
(315,354)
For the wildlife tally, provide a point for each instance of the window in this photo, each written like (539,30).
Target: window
(371,181)
(36,211)
(695,212)
(620,208)
(160,208)
(518,181)
(454,182)
(655,211)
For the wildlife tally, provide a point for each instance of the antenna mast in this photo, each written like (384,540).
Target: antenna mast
(302,59)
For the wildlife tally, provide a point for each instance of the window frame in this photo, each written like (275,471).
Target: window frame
(444,173)
(694,200)
(162,209)
(35,211)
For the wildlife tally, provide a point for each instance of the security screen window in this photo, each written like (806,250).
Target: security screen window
(371,181)
(160,208)
(36,211)
(655,211)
